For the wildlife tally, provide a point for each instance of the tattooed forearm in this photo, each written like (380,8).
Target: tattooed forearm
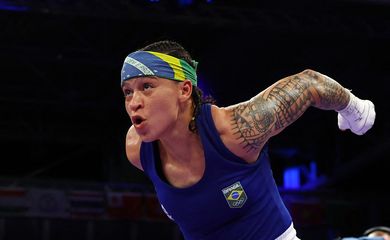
(331,94)
(271,111)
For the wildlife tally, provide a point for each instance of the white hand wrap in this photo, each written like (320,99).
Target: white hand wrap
(359,115)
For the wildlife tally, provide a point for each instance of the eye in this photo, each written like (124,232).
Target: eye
(128,92)
(147,86)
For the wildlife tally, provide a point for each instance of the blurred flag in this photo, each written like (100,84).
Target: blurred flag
(48,203)
(13,201)
(125,205)
(86,204)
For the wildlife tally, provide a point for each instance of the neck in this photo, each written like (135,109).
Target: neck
(180,142)
(180,148)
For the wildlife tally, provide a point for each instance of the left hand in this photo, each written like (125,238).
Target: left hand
(358,116)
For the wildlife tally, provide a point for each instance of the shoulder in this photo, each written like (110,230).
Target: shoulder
(221,117)
(133,146)
(224,121)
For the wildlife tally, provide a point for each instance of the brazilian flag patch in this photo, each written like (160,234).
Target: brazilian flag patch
(235,195)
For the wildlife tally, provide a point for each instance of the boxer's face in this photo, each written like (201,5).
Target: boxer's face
(153,105)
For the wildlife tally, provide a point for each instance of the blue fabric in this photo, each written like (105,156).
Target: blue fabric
(144,64)
(202,211)
(147,63)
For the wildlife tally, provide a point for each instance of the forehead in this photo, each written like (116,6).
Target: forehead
(136,80)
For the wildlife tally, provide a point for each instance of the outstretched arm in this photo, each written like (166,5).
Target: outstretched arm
(267,114)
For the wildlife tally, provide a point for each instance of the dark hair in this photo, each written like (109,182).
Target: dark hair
(377,228)
(176,50)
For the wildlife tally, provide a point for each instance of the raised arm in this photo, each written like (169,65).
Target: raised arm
(253,122)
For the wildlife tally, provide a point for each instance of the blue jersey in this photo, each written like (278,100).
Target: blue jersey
(233,199)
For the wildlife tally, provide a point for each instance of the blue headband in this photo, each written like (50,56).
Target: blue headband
(146,63)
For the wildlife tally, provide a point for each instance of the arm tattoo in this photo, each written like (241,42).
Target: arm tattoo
(292,98)
(251,122)
(254,121)
(332,94)
(268,113)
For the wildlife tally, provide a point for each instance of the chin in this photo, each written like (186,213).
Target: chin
(146,138)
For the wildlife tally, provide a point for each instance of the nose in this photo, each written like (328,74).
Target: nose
(136,101)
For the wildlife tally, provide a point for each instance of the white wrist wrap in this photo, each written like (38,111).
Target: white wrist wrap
(358,115)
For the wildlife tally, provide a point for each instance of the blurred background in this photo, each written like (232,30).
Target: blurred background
(63,170)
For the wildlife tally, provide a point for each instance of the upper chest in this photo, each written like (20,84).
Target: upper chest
(182,173)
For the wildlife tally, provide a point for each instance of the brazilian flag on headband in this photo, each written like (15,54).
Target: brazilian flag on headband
(147,63)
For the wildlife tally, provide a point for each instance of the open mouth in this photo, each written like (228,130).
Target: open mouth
(137,120)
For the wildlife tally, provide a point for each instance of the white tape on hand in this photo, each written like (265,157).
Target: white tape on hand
(358,116)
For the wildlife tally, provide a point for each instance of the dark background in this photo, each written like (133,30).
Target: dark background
(62,109)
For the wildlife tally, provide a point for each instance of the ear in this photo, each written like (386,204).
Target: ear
(185,90)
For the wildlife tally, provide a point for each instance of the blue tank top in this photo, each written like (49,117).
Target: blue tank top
(233,199)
